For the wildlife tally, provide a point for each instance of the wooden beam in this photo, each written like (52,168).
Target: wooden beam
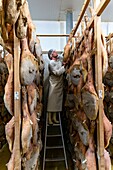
(109,37)
(17,103)
(46,52)
(102,6)
(98,84)
(100,127)
(53,35)
(98,11)
(85,5)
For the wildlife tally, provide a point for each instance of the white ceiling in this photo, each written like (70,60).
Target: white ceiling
(55,10)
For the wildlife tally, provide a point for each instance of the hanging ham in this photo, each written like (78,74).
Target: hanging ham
(89,95)
(29,64)
(90,153)
(107,130)
(26,124)
(12,11)
(9,90)
(9,130)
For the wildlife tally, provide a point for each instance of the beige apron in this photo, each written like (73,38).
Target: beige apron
(55,96)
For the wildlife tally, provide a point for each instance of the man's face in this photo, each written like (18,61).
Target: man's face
(54,54)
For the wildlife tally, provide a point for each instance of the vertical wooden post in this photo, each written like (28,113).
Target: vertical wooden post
(98,70)
(17,103)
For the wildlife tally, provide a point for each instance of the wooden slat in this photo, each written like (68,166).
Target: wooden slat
(98,83)
(91,22)
(53,35)
(17,103)
(85,5)
(100,91)
(109,37)
(98,12)
(102,5)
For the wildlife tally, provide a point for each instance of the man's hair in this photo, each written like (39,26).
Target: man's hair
(49,53)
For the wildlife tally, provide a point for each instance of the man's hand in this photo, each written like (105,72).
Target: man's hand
(65,64)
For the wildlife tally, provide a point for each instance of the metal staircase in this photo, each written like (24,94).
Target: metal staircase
(54,148)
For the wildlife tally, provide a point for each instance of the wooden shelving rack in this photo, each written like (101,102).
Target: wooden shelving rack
(95,22)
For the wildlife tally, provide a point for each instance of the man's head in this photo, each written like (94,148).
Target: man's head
(52,53)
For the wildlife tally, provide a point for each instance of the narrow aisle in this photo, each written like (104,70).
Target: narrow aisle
(54,148)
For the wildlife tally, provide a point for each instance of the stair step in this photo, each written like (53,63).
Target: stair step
(55,165)
(56,141)
(57,124)
(58,135)
(54,147)
(54,160)
(53,130)
(54,153)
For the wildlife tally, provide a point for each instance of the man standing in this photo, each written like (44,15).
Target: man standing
(55,96)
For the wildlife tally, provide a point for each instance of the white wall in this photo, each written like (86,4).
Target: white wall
(107,27)
(52,27)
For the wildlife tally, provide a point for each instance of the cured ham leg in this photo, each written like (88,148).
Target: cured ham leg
(107,160)
(8,96)
(29,64)
(9,130)
(90,153)
(3,32)
(83,133)
(80,150)
(33,97)
(21,26)
(32,163)
(30,26)
(107,130)
(11,8)
(67,49)
(10,164)
(35,128)
(89,95)
(36,50)
(26,123)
